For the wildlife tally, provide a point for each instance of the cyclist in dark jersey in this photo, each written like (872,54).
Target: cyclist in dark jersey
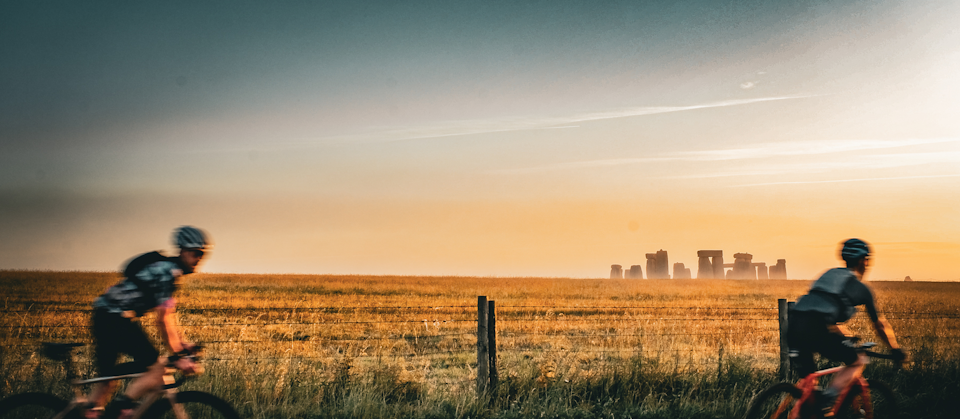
(149,283)
(816,320)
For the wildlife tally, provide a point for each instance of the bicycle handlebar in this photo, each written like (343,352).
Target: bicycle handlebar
(194,355)
(899,360)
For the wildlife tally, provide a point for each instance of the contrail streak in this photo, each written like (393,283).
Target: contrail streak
(841,180)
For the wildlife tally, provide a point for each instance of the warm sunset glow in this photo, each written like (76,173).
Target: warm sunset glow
(496,140)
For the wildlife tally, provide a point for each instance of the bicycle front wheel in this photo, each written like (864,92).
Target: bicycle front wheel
(35,406)
(195,405)
(883,403)
(775,402)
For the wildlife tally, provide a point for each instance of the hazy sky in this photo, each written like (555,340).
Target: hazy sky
(543,138)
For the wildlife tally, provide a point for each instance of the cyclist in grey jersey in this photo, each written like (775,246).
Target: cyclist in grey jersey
(816,319)
(155,287)
(150,281)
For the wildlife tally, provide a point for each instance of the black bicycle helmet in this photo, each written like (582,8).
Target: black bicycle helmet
(854,249)
(189,237)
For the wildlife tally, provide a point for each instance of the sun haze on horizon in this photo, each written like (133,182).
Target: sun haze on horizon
(482,138)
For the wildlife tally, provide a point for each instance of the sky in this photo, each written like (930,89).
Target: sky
(535,138)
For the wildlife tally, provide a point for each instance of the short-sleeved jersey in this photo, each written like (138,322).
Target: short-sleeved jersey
(836,294)
(154,286)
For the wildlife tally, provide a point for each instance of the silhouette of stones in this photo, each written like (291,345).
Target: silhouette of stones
(657,265)
(761,270)
(710,265)
(779,271)
(908,279)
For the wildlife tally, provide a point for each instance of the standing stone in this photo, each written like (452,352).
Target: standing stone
(779,271)
(704,268)
(657,265)
(663,266)
(652,266)
(616,272)
(718,267)
(707,269)
(680,271)
(761,270)
(636,272)
(742,266)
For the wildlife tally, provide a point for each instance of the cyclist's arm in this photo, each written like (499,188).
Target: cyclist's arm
(170,333)
(885,332)
(882,326)
(169,326)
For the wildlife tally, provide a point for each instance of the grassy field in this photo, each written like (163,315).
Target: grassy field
(382,346)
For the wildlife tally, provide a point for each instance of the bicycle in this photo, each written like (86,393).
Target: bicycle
(861,399)
(160,403)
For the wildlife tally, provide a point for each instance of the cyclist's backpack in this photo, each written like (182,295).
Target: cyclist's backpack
(138,264)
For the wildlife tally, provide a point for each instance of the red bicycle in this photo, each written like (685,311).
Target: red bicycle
(862,399)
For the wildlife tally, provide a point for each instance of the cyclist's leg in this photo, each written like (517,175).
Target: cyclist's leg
(134,342)
(145,358)
(106,350)
(800,340)
(836,347)
(151,379)
(849,372)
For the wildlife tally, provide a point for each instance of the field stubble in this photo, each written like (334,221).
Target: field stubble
(397,346)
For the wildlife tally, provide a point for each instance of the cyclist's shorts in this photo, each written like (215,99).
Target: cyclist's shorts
(807,333)
(114,335)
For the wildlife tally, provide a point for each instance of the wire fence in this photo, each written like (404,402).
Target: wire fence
(441,342)
(332,332)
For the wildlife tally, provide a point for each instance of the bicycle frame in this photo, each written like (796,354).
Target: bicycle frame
(809,383)
(180,403)
(168,390)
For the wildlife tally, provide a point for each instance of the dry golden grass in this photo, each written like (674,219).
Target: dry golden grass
(271,337)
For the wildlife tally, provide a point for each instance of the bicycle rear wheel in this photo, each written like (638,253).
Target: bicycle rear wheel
(34,406)
(775,402)
(883,403)
(196,405)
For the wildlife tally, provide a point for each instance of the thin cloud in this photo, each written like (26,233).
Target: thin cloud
(802,148)
(769,150)
(640,111)
(578,165)
(868,162)
(472,127)
(801,182)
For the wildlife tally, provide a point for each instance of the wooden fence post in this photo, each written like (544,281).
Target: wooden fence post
(483,348)
(784,350)
(789,363)
(492,343)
